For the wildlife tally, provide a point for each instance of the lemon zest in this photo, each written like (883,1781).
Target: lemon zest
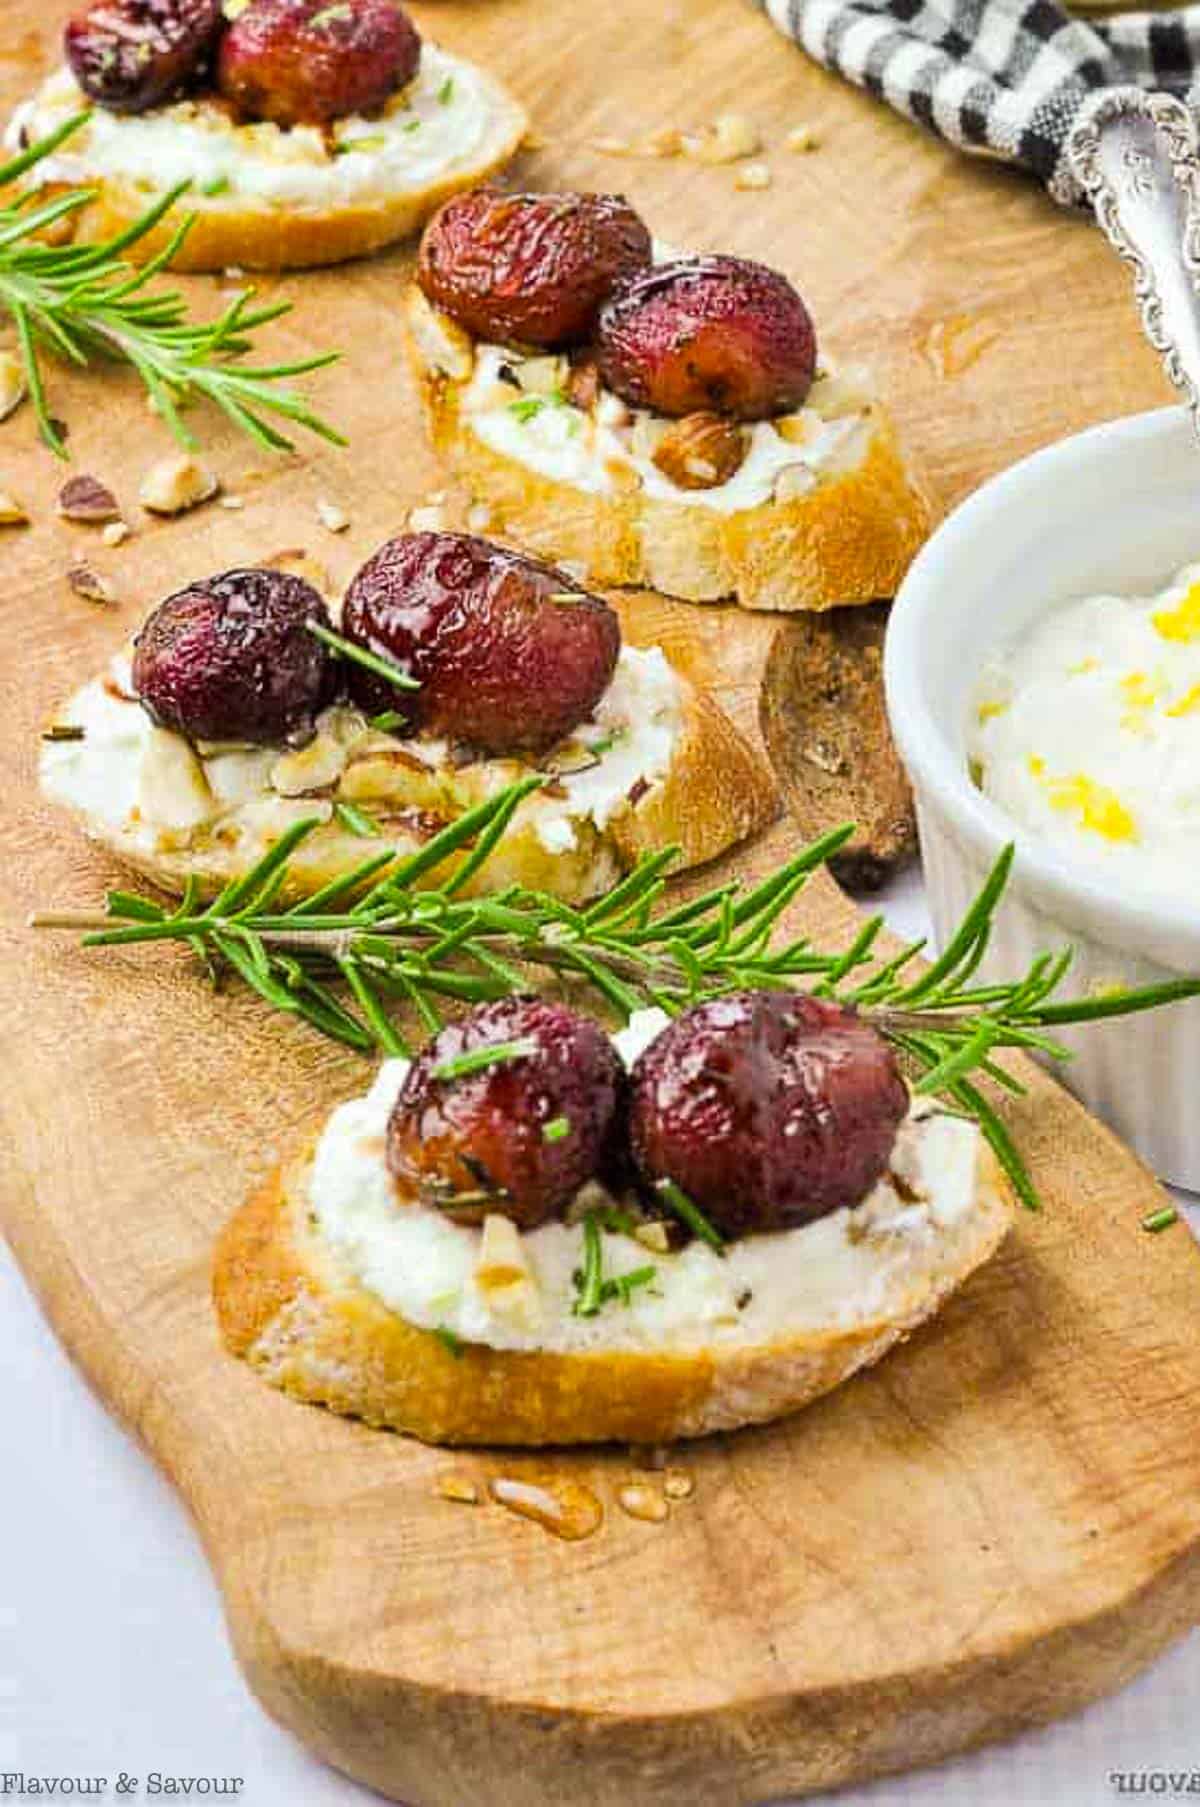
(1188,702)
(1099,810)
(1181,623)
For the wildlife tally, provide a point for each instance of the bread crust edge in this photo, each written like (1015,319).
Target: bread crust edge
(227,236)
(849,540)
(285,1306)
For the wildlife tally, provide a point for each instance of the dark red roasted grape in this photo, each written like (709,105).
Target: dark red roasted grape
(768,1109)
(133,54)
(534,268)
(510,654)
(308,62)
(519,1137)
(717,333)
(230,658)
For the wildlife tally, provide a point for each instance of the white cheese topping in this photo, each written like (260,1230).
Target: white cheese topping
(159,792)
(426,131)
(1086,730)
(599,450)
(839,1270)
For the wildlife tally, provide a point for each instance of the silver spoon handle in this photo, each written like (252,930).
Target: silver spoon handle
(1137,157)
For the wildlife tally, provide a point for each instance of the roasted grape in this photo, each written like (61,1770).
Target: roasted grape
(532,268)
(308,62)
(768,1109)
(510,654)
(231,658)
(519,1136)
(708,333)
(129,55)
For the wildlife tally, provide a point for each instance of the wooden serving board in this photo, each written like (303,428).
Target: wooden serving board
(995,1526)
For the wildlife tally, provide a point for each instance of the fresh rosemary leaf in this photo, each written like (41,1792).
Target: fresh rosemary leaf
(589,1280)
(362,655)
(478,1060)
(557,1130)
(690,1214)
(357,821)
(451,1343)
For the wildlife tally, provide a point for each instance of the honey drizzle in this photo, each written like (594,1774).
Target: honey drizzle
(565,1508)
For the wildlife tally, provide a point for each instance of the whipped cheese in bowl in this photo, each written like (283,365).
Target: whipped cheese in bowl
(1086,731)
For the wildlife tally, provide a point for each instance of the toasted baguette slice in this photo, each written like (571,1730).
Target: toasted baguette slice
(267,208)
(287,1304)
(849,537)
(714,791)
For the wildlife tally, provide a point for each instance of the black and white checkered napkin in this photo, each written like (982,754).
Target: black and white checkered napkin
(1007,78)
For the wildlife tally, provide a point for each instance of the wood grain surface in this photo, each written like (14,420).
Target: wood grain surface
(999,1523)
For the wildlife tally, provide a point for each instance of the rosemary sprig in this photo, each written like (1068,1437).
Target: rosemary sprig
(84,301)
(378,934)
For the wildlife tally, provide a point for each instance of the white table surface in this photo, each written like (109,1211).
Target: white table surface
(113,1654)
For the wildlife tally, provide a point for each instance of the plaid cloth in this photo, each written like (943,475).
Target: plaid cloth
(1005,78)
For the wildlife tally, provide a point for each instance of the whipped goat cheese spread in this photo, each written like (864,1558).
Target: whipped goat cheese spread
(839,1269)
(160,791)
(1086,730)
(423,133)
(605,448)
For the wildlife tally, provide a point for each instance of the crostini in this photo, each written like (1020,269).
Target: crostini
(516,1240)
(459,669)
(309,132)
(662,420)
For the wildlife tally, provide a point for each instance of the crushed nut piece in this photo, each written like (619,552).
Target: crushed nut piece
(427,520)
(85,498)
(611,411)
(654,1236)
(583,384)
(666,142)
(458,1487)
(730,138)
(87,582)
(232,502)
(175,484)
(701,451)
(753,175)
(613,147)
(644,1502)
(296,562)
(793,481)
(13,387)
(331,516)
(677,1485)
(540,376)
(115,533)
(12,512)
(803,138)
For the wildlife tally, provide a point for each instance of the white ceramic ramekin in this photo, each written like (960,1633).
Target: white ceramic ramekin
(1118,509)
